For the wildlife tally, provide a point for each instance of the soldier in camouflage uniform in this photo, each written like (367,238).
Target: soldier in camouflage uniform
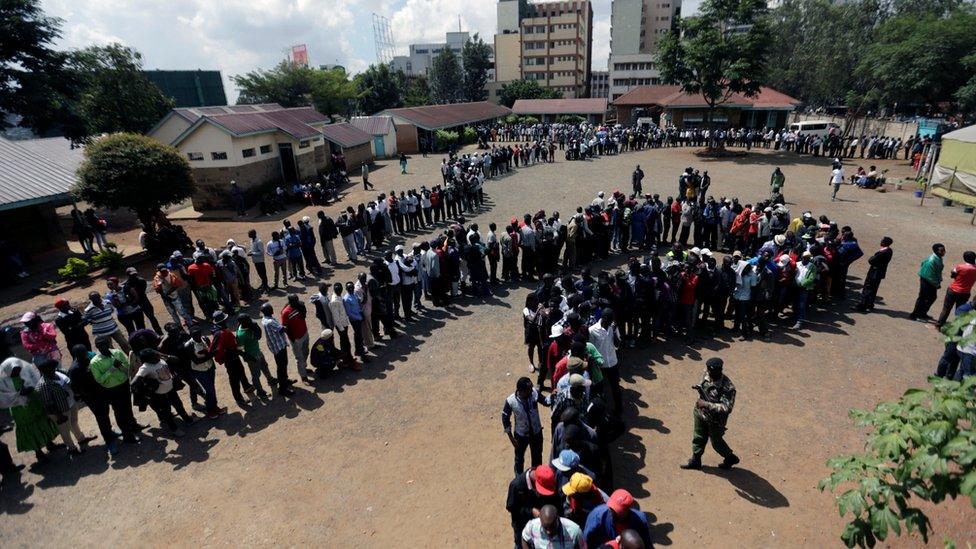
(711,414)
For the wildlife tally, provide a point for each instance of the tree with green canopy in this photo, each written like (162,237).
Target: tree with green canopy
(446,79)
(117,96)
(416,91)
(127,170)
(525,89)
(717,53)
(476,59)
(290,84)
(378,88)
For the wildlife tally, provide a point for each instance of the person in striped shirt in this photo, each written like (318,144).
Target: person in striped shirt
(278,345)
(101,316)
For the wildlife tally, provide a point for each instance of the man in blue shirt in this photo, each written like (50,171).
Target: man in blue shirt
(293,246)
(616,515)
(355,313)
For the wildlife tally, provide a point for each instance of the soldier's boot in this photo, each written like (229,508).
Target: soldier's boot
(729,462)
(693,463)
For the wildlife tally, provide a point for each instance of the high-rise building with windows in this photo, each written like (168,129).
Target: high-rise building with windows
(636,27)
(550,43)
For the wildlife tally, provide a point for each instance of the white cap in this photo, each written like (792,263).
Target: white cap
(706,251)
(696,250)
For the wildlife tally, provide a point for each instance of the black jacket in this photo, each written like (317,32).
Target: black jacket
(327,229)
(879,263)
(522,500)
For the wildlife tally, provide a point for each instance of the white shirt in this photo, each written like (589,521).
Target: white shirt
(159,372)
(602,339)
(837,176)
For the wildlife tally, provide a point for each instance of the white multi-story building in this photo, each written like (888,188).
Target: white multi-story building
(636,26)
(421,57)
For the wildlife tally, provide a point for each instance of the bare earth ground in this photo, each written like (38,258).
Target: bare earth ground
(410,452)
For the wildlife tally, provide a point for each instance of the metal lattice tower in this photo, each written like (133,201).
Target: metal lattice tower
(383,39)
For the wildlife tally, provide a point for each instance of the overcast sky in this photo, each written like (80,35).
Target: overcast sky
(236,36)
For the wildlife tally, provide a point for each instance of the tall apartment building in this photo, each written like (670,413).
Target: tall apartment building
(636,26)
(548,42)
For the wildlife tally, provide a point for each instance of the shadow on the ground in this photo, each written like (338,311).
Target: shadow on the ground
(750,486)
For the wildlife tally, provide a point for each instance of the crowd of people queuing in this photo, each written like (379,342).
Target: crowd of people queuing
(774,264)
(594,139)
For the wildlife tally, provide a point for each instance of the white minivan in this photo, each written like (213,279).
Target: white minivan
(823,128)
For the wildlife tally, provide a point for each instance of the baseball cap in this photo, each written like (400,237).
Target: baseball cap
(326,334)
(706,252)
(714,363)
(620,501)
(398,248)
(545,480)
(784,260)
(807,254)
(737,253)
(28,316)
(578,484)
(60,303)
(566,461)
(131,271)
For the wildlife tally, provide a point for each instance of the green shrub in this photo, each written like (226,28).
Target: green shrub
(74,269)
(444,139)
(109,258)
(529,120)
(573,119)
(512,119)
(469,136)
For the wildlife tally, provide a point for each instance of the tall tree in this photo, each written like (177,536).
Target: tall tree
(525,89)
(918,59)
(378,88)
(833,39)
(719,52)
(476,60)
(446,80)
(416,91)
(117,96)
(295,85)
(33,80)
(126,170)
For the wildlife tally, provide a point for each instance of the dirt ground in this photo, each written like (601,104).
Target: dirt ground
(410,452)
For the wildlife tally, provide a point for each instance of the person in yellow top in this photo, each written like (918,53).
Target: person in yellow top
(110,368)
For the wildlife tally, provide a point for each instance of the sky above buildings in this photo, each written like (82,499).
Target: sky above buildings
(236,36)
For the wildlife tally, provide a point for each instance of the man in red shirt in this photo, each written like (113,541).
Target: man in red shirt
(562,338)
(963,277)
(202,276)
(225,351)
(686,301)
(293,319)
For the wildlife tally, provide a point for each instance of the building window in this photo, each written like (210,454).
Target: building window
(247,153)
(193,157)
(265,149)
(304,144)
(218,156)
(420,50)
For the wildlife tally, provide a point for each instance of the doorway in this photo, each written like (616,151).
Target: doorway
(289,169)
(379,146)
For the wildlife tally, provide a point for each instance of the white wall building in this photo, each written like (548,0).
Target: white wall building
(636,26)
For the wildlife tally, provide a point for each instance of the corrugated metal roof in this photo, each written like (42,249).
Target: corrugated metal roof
(26,177)
(595,105)
(672,96)
(437,117)
(345,135)
(295,122)
(192,114)
(58,150)
(373,125)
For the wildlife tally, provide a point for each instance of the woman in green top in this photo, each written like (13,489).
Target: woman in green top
(34,429)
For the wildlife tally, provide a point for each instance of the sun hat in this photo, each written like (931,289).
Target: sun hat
(219,317)
(620,501)
(326,334)
(566,461)
(807,254)
(578,484)
(779,239)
